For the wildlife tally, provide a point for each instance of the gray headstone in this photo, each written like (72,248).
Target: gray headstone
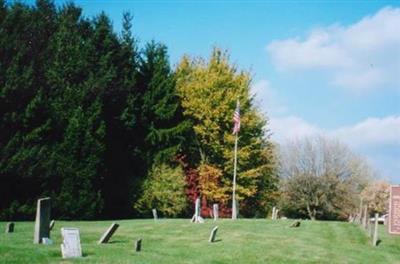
(155,216)
(10,227)
(138,245)
(215,211)
(42,222)
(108,234)
(375,237)
(52,224)
(213,234)
(71,246)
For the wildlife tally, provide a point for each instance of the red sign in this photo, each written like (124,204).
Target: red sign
(394,210)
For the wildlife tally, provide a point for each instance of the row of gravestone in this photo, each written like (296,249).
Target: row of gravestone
(196,217)
(71,246)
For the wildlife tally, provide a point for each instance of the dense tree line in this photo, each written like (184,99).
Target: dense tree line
(108,129)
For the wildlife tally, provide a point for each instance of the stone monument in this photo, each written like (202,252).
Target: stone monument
(42,222)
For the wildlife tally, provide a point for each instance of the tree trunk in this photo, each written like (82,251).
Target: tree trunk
(311,213)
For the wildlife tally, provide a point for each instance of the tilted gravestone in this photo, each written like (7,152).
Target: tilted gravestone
(71,246)
(295,224)
(138,245)
(52,224)
(213,234)
(215,211)
(108,234)
(42,222)
(10,227)
(155,216)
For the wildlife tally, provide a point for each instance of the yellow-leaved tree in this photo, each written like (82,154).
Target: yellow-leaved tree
(209,90)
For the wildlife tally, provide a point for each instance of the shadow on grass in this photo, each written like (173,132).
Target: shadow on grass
(378,242)
(118,241)
(217,240)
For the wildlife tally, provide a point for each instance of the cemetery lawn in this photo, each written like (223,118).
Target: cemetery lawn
(178,241)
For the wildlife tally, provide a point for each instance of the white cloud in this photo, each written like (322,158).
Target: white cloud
(267,98)
(371,132)
(291,127)
(362,56)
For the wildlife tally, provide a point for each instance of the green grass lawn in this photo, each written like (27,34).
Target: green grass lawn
(179,241)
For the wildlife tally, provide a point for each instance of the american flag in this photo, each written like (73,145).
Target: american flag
(236,119)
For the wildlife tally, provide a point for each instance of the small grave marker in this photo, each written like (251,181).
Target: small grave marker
(215,211)
(71,246)
(138,245)
(47,241)
(10,227)
(295,224)
(42,222)
(273,213)
(108,234)
(155,216)
(213,234)
(52,224)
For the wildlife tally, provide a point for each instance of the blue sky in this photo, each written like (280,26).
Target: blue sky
(319,67)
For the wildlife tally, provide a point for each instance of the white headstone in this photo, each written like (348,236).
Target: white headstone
(215,212)
(155,216)
(71,246)
(273,213)
(196,217)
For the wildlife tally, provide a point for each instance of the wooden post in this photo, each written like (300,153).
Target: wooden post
(375,238)
(364,223)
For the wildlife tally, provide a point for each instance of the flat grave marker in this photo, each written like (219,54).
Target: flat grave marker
(42,222)
(295,224)
(71,246)
(108,234)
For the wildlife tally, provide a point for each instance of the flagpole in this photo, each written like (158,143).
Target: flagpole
(234,209)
